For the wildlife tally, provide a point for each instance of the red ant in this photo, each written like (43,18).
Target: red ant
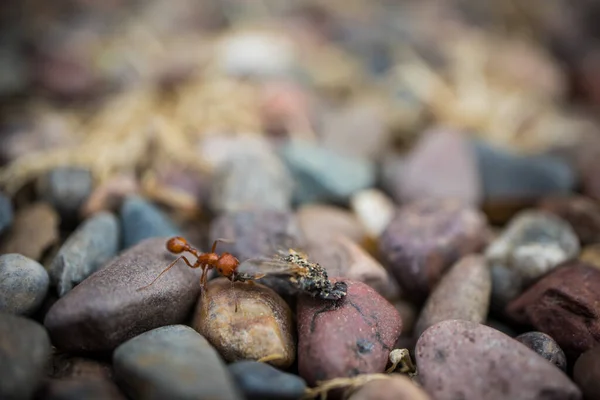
(226,264)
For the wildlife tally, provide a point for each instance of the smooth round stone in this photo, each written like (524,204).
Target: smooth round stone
(545,346)
(399,387)
(172,362)
(23,284)
(466,360)
(532,244)
(140,219)
(34,230)
(323,175)
(581,212)
(6,213)
(261,327)
(107,308)
(75,389)
(88,248)
(426,238)
(24,351)
(564,305)
(374,209)
(463,293)
(586,373)
(66,188)
(261,381)
(251,181)
(319,222)
(347,338)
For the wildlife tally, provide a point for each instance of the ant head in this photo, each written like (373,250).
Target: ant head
(227,265)
(177,245)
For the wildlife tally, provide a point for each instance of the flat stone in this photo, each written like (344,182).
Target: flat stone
(173,362)
(586,373)
(140,219)
(24,350)
(463,293)
(466,360)
(23,284)
(545,346)
(426,238)
(88,248)
(581,212)
(346,338)
(261,381)
(107,308)
(6,213)
(398,387)
(564,305)
(261,327)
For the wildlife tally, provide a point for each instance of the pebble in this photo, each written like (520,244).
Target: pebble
(140,219)
(564,305)
(251,181)
(507,176)
(6,213)
(374,209)
(107,308)
(586,373)
(66,189)
(321,222)
(463,293)
(466,360)
(581,212)
(532,244)
(261,381)
(218,150)
(24,350)
(88,248)
(67,366)
(172,362)
(34,230)
(324,175)
(23,284)
(75,389)
(426,238)
(441,165)
(261,327)
(397,387)
(346,339)
(591,255)
(109,196)
(545,346)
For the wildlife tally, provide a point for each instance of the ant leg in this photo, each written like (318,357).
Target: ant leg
(214,246)
(169,267)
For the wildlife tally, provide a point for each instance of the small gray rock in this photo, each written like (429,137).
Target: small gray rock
(173,362)
(24,351)
(6,213)
(89,247)
(545,346)
(140,220)
(66,188)
(324,175)
(23,284)
(533,243)
(261,381)
(107,308)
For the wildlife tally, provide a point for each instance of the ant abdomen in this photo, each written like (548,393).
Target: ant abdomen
(177,245)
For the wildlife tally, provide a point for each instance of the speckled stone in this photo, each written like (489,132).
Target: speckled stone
(545,346)
(23,284)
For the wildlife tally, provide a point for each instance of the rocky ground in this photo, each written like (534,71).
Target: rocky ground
(438,158)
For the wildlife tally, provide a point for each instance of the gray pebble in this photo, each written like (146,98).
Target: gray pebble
(6,213)
(323,175)
(107,308)
(24,351)
(545,346)
(140,219)
(173,362)
(66,188)
(76,389)
(88,248)
(23,284)
(261,381)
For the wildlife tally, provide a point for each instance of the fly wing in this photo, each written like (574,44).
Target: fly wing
(266,266)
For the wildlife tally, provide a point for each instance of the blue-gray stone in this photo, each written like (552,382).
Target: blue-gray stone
(507,176)
(261,381)
(323,175)
(6,213)
(66,189)
(140,219)
(23,284)
(24,352)
(88,248)
(173,362)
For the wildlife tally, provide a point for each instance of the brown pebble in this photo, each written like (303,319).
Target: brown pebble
(261,327)
(586,373)
(463,293)
(581,212)
(398,387)
(34,230)
(88,388)
(591,255)
(563,304)
(319,222)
